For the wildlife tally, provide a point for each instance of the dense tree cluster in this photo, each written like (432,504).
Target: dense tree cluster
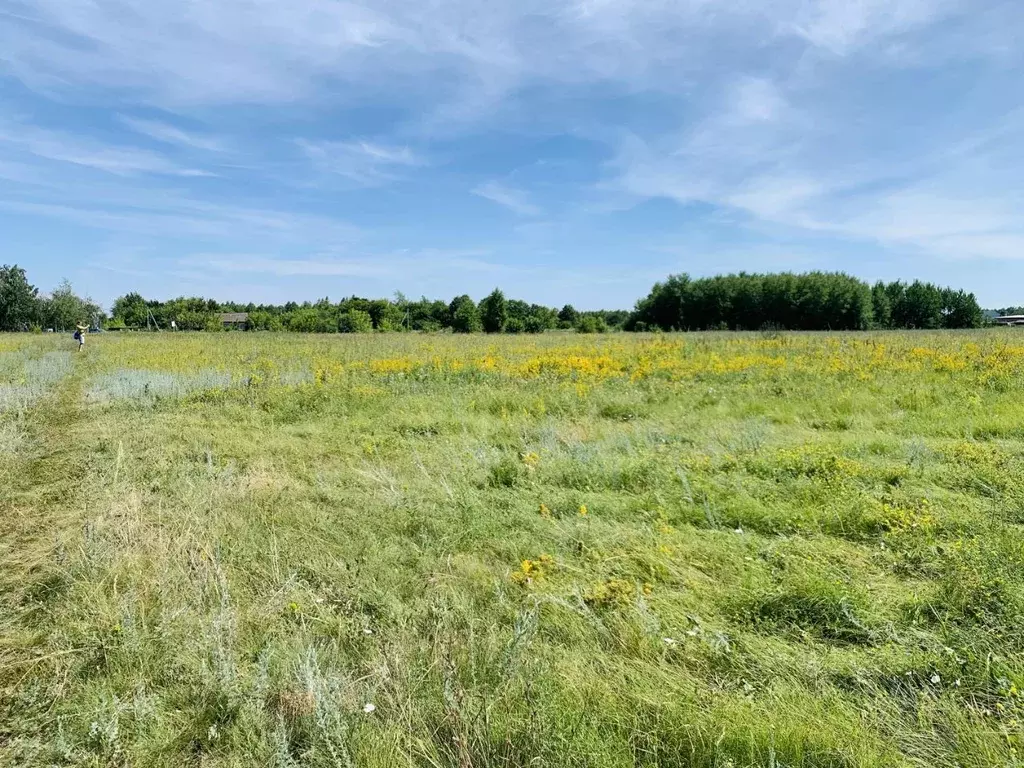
(814,301)
(494,314)
(923,305)
(24,308)
(811,301)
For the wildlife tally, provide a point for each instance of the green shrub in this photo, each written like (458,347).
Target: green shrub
(355,321)
(465,315)
(591,324)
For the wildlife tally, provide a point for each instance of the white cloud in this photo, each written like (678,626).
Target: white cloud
(169,134)
(820,157)
(738,155)
(956,209)
(167,215)
(431,271)
(513,199)
(242,263)
(917,214)
(757,99)
(62,147)
(222,50)
(986,246)
(841,25)
(933,219)
(775,198)
(470,54)
(363,162)
(388,265)
(755,109)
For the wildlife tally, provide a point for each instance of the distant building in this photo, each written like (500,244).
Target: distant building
(1009,320)
(235,320)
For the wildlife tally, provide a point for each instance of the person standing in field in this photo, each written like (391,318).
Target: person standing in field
(80,332)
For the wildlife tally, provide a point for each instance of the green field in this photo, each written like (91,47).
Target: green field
(401,550)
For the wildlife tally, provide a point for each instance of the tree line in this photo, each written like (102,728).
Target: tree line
(814,301)
(24,308)
(494,314)
(785,301)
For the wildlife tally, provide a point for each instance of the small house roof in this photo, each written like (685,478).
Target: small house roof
(234,317)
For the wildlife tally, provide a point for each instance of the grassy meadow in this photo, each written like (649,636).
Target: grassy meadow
(234,550)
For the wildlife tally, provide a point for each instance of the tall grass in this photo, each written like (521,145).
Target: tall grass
(711,550)
(25,377)
(27,374)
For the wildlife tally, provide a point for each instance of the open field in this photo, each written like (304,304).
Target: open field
(397,550)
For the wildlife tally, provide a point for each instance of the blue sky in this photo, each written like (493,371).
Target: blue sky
(567,151)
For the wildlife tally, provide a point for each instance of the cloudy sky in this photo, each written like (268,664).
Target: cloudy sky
(566,151)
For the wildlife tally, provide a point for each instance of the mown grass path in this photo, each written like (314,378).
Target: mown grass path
(37,497)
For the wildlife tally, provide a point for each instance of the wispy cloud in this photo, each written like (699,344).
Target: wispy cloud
(774,154)
(363,162)
(842,26)
(514,199)
(169,134)
(399,267)
(171,216)
(223,51)
(756,99)
(933,218)
(786,120)
(245,51)
(433,273)
(320,267)
(62,147)
(377,265)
